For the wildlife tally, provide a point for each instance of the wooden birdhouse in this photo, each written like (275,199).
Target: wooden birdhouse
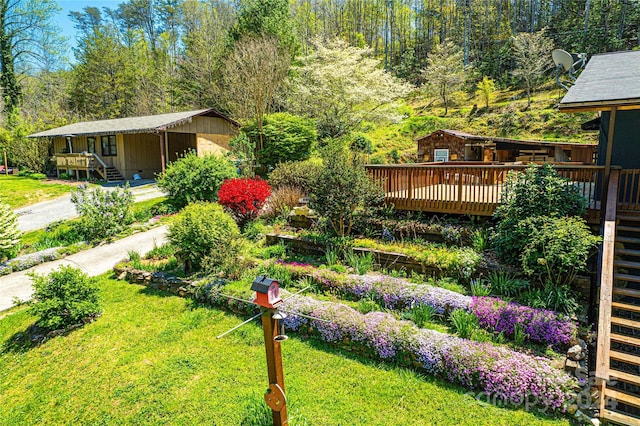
(267,292)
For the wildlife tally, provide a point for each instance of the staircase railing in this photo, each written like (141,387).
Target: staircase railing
(606,286)
(102,168)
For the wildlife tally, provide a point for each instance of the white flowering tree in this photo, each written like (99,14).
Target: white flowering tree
(340,86)
(9,232)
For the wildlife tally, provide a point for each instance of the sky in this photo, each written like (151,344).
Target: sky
(63,21)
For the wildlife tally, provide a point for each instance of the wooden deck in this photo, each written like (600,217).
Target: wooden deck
(467,189)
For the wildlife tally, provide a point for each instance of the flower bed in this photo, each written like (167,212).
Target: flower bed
(539,325)
(30,260)
(513,377)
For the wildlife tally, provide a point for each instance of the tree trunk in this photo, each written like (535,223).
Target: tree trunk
(8,81)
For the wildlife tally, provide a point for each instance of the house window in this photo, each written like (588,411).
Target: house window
(441,155)
(91,145)
(108,146)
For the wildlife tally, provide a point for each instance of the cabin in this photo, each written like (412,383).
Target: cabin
(120,148)
(610,85)
(452,145)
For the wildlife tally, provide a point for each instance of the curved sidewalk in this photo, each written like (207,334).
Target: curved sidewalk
(93,261)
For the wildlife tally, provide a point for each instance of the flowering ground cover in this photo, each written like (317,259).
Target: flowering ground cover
(539,325)
(153,358)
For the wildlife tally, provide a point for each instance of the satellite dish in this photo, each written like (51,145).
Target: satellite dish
(562,58)
(566,62)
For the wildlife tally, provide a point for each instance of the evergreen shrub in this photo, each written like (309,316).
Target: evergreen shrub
(65,297)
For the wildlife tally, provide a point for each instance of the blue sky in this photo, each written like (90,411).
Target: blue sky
(63,21)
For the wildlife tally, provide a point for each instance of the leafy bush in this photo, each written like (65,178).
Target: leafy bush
(505,284)
(341,188)
(203,232)
(192,178)
(283,200)
(557,298)
(65,297)
(464,323)
(538,191)
(285,137)
(244,197)
(558,249)
(103,214)
(9,232)
(300,175)
(361,263)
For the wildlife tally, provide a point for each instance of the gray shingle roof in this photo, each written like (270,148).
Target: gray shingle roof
(609,79)
(146,124)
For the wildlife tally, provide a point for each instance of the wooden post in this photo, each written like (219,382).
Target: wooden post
(6,165)
(166,147)
(607,163)
(162,156)
(275,400)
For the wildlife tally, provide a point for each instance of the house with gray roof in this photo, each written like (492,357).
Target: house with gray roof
(120,148)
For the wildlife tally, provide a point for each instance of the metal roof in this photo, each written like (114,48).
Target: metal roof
(494,139)
(609,80)
(145,124)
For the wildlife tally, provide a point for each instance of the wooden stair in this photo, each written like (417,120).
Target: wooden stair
(113,174)
(618,350)
(619,356)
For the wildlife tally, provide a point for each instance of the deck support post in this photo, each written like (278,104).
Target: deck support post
(163,160)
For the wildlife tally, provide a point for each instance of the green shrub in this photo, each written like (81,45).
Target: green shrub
(423,314)
(103,214)
(556,298)
(192,178)
(538,191)
(361,263)
(464,323)
(9,232)
(558,249)
(505,284)
(341,189)
(285,137)
(300,175)
(479,288)
(65,297)
(203,232)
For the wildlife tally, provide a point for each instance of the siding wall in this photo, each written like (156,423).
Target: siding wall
(441,140)
(178,144)
(141,154)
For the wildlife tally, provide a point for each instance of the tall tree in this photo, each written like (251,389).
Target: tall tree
(269,18)
(340,86)
(531,52)
(444,73)
(24,24)
(252,75)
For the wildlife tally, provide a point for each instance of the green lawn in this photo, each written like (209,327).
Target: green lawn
(154,359)
(20,191)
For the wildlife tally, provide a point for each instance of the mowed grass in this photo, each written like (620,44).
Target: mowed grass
(154,359)
(20,191)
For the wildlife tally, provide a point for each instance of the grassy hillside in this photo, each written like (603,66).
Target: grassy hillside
(507,116)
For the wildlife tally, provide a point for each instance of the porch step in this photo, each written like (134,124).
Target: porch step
(625,291)
(113,174)
(626,340)
(628,240)
(621,356)
(625,377)
(627,228)
(622,397)
(626,264)
(628,217)
(627,252)
(625,322)
(626,307)
(620,418)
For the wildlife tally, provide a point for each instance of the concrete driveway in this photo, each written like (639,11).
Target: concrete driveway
(93,261)
(38,216)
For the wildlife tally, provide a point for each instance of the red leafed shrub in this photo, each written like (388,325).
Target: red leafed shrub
(244,196)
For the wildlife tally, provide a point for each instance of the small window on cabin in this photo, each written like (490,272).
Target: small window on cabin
(108,146)
(441,155)
(91,145)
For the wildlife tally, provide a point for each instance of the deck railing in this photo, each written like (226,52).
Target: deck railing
(468,189)
(84,161)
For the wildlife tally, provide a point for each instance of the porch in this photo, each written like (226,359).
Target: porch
(476,189)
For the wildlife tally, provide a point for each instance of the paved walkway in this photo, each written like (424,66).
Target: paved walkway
(93,261)
(38,216)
